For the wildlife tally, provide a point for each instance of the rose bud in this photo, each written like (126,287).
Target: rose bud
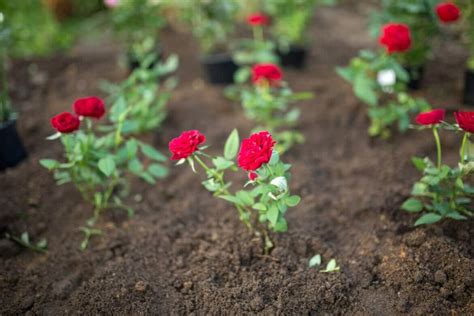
(448,12)
(255,151)
(465,120)
(258,19)
(253,176)
(65,122)
(431,117)
(89,107)
(266,73)
(185,144)
(395,37)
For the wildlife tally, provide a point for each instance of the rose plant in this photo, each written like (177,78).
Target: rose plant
(268,102)
(379,80)
(443,191)
(419,17)
(143,95)
(136,24)
(249,51)
(264,200)
(98,163)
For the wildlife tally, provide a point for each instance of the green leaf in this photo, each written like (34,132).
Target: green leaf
(43,243)
(456,216)
(419,163)
(25,238)
(281,226)
(274,158)
(221,163)
(132,148)
(272,215)
(231,199)
(428,218)
(259,207)
(158,170)
(293,200)
(315,261)
(412,205)
(364,89)
(245,197)
(152,153)
(135,166)
(107,165)
(331,266)
(49,164)
(231,145)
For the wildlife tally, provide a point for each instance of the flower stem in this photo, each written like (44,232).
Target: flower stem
(258,34)
(203,165)
(438,146)
(463,147)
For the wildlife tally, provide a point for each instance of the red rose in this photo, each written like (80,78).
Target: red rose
(186,144)
(257,19)
(269,73)
(90,107)
(395,37)
(65,122)
(431,117)
(448,12)
(465,120)
(255,151)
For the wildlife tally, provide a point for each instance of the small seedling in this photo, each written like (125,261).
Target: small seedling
(24,240)
(331,267)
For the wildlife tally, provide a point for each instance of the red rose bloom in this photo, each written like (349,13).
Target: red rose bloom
(269,73)
(255,151)
(258,19)
(465,120)
(395,37)
(186,144)
(448,12)
(431,117)
(65,122)
(90,107)
(253,176)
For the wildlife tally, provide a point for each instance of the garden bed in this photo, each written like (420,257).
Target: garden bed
(186,252)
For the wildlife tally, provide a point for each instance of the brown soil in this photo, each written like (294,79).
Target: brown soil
(186,252)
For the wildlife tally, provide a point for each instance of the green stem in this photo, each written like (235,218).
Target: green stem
(257,34)
(438,146)
(463,147)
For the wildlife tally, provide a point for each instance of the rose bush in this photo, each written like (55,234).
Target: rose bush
(268,200)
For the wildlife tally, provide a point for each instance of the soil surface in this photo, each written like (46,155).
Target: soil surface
(185,252)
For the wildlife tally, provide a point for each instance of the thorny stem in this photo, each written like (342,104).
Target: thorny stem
(438,146)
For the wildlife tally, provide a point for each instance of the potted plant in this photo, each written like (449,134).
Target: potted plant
(11,147)
(420,17)
(290,20)
(211,22)
(137,24)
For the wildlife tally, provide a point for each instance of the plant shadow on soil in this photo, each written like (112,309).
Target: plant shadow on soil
(184,252)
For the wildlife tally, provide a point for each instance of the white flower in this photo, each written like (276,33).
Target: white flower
(386,77)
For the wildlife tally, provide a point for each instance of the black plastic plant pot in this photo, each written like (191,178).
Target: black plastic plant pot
(220,68)
(295,57)
(416,76)
(469,88)
(12,151)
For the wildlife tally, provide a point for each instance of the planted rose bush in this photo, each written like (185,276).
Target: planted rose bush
(264,200)
(379,80)
(444,191)
(98,163)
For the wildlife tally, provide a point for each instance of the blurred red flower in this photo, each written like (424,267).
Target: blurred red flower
(258,19)
(448,12)
(268,73)
(90,107)
(65,122)
(395,37)
(465,120)
(431,117)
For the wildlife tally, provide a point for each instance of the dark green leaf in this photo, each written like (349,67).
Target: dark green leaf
(428,218)
(412,205)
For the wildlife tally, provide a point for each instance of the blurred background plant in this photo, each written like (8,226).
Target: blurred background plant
(419,16)
(5,107)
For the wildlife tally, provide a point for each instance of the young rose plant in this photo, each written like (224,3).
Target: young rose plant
(142,95)
(268,102)
(257,49)
(379,80)
(443,191)
(98,164)
(264,200)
